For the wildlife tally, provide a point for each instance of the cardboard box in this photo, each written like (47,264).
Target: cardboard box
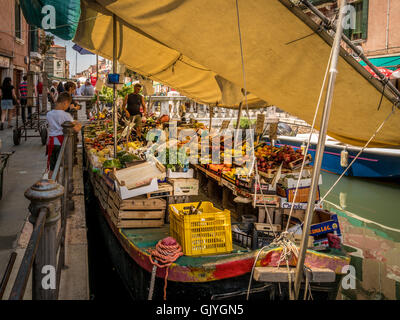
(297,240)
(320,244)
(290,183)
(327,223)
(139,175)
(185,187)
(301,196)
(125,193)
(297,205)
(323,221)
(176,175)
(270,200)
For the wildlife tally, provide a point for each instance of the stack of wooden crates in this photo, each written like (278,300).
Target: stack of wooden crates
(137,212)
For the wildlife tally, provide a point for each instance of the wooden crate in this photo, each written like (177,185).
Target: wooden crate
(164,190)
(138,212)
(301,196)
(185,187)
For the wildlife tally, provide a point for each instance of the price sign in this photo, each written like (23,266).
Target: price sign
(225,124)
(273,131)
(260,124)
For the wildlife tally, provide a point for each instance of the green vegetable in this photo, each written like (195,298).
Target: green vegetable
(126,158)
(125,90)
(110,164)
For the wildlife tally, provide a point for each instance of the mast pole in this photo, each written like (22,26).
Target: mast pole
(320,151)
(115,114)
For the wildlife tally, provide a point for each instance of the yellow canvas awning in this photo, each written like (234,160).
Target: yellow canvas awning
(189,44)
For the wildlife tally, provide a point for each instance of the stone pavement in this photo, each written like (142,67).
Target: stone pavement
(24,170)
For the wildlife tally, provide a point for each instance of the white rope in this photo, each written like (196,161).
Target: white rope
(290,281)
(288,248)
(305,289)
(309,140)
(252,270)
(356,157)
(242,58)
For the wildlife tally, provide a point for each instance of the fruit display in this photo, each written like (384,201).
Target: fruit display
(270,157)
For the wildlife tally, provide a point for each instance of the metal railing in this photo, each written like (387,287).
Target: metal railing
(51,203)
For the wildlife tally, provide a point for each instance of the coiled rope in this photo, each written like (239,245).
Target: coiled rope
(167,251)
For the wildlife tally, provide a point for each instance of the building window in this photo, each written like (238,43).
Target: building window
(361,21)
(34,46)
(18,20)
(358,32)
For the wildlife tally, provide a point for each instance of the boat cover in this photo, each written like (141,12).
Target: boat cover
(191,45)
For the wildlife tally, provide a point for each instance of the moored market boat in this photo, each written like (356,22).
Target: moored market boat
(220,276)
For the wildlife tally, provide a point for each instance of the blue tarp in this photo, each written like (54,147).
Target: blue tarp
(66,15)
(81,50)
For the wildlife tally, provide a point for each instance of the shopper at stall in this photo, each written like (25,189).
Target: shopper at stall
(78,89)
(87,89)
(70,87)
(55,119)
(135,107)
(53,94)
(8,99)
(60,87)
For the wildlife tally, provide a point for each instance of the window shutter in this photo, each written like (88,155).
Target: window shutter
(348,32)
(365,19)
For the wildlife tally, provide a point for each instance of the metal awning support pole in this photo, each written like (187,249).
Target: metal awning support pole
(319,152)
(97,67)
(211,117)
(239,115)
(115,113)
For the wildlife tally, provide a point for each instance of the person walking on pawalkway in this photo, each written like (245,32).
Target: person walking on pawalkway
(8,99)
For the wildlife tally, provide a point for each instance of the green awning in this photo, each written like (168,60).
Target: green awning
(391,63)
(66,15)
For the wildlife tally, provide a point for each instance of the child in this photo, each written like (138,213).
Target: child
(55,119)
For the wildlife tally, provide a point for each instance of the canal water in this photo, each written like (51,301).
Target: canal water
(369,218)
(105,284)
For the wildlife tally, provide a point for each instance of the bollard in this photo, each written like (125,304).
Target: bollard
(68,130)
(45,194)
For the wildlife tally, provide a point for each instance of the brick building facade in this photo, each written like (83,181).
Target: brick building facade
(13,41)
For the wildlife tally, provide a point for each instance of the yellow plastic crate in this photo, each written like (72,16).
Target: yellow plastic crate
(208,232)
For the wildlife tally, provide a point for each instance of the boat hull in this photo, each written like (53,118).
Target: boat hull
(136,278)
(368,165)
